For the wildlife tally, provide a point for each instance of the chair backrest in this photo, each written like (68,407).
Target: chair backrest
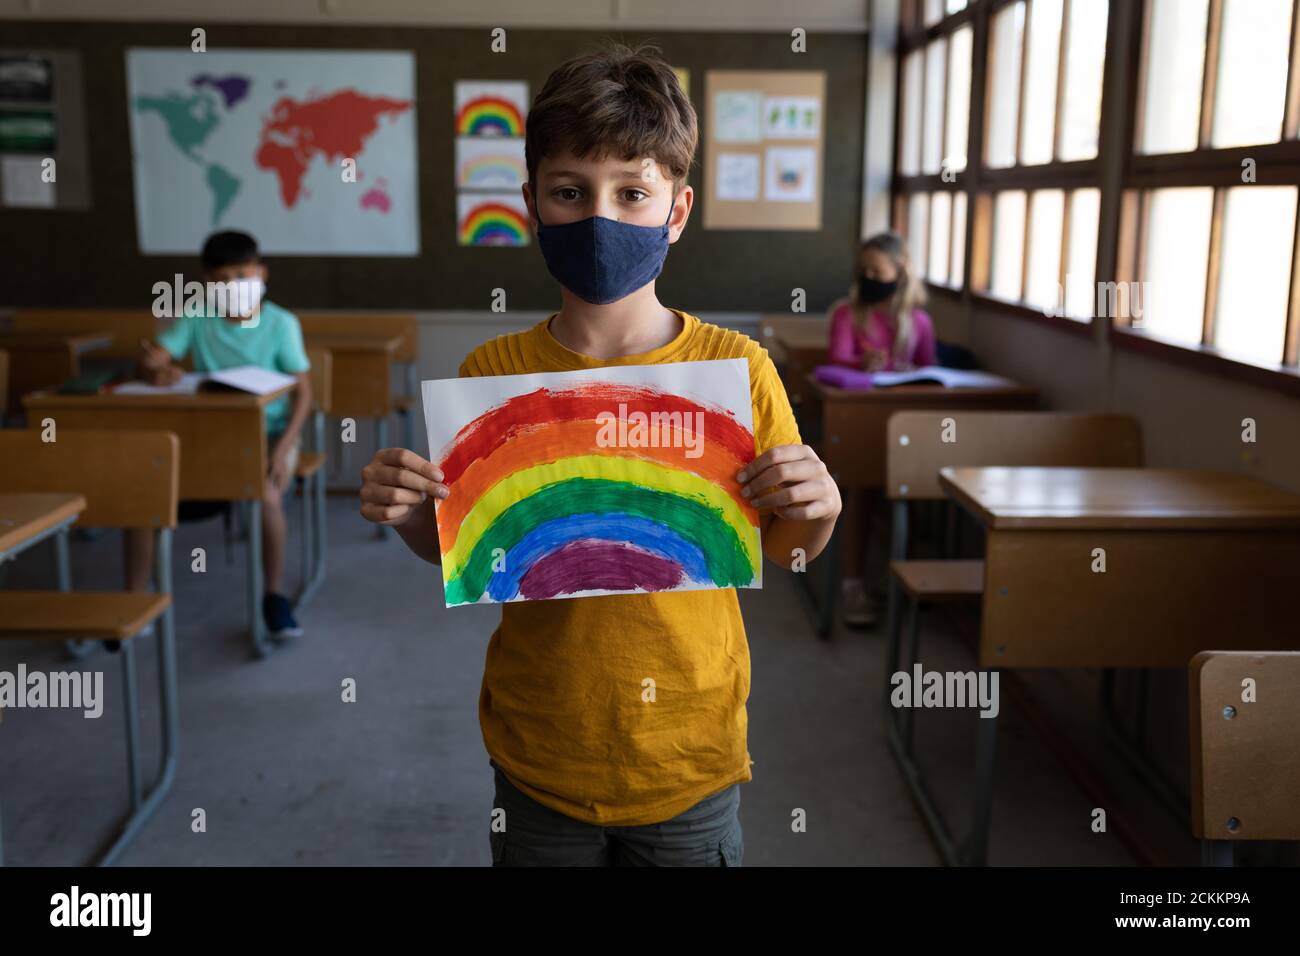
(127,326)
(920,443)
(1245,760)
(322,377)
(380,323)
(130,479)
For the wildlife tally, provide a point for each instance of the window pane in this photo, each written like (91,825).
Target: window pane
(933,11)
(1254,284)
(1172,299)
(918,214)
(1044,55)
(913,80)
(1171,112)
(1081,263)
(1008,244)
(1046,228)
(1005,33)
(959,62)
(1253,48)
(955,6)
(940,234)
(932,150)
(958,240)
(1085,60)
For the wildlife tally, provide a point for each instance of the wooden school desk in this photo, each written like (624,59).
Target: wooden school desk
(26,520)
(1194,560)
(1245,753)
(46,359)
(797,347)
(223,453)
(362,365)
(854,425)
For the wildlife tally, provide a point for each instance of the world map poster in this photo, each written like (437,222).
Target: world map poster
(312,152)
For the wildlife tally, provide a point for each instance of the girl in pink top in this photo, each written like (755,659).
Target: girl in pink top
(880,326)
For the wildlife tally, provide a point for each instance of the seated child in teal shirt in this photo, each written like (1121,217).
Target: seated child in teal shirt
(256,333)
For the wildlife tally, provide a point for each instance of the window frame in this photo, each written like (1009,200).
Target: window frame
(1276,164)
(1123,175)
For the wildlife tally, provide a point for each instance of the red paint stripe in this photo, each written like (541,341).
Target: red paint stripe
(583,402)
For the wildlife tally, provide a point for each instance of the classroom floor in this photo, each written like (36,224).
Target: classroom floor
(288,774)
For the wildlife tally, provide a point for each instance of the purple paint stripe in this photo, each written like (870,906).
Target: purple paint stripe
(588,564)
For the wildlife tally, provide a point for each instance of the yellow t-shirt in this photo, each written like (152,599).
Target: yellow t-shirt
(562,708)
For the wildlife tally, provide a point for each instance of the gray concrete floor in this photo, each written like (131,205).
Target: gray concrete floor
(288,774)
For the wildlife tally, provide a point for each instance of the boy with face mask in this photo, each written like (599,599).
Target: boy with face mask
(587,771)
(249,330)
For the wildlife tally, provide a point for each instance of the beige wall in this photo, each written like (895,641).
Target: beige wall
(777,15)
(1190,419)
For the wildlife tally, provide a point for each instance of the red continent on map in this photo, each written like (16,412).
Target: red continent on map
(334,126)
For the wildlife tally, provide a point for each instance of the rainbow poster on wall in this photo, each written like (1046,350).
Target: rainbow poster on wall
(490,108)
(490,163)
(602,481)
(491,219)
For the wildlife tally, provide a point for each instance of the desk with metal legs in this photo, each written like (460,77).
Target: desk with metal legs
(1194,560)
(854,426)
(223,453)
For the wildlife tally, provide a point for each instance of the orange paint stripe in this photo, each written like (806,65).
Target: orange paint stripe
(562,440)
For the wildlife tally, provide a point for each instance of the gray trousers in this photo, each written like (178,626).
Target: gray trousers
(708,834)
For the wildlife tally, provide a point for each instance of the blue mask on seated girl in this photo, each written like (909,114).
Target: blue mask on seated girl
(603,260)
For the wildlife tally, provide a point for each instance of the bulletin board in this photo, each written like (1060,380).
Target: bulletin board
(42,120)
(763,149)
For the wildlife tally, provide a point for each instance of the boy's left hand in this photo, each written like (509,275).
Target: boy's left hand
(793,482)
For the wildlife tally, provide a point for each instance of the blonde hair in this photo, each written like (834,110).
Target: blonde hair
(910,294)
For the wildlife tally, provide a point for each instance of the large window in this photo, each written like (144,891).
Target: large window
(1035,188)
(1210,205)
(1009,167)
(934,138)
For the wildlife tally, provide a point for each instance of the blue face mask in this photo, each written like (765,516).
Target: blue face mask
(603,260)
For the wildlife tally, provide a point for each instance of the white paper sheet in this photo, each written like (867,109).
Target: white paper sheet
(560,490)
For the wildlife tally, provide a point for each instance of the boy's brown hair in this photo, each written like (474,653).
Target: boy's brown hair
(619,102)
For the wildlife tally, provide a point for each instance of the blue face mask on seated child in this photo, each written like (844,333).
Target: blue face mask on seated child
(603,260)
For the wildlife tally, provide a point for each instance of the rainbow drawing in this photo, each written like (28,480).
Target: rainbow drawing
(491,219)
(493,108)
(490,163)
(604,481)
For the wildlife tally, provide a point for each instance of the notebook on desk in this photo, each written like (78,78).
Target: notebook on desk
(244,378)
(842,377)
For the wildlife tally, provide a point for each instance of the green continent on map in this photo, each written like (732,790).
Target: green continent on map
(189,120)
(224,186)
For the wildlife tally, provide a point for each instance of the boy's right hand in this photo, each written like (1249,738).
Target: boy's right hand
(158,366)
(395,484)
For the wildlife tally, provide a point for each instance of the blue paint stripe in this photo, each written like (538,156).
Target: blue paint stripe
(616,526)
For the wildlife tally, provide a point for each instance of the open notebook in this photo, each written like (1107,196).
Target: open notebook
(841,377)
(244,378)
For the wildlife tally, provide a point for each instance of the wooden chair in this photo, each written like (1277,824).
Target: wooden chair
(919,443)
(1245,749)
(311,475)
(127,326)
(130,479)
